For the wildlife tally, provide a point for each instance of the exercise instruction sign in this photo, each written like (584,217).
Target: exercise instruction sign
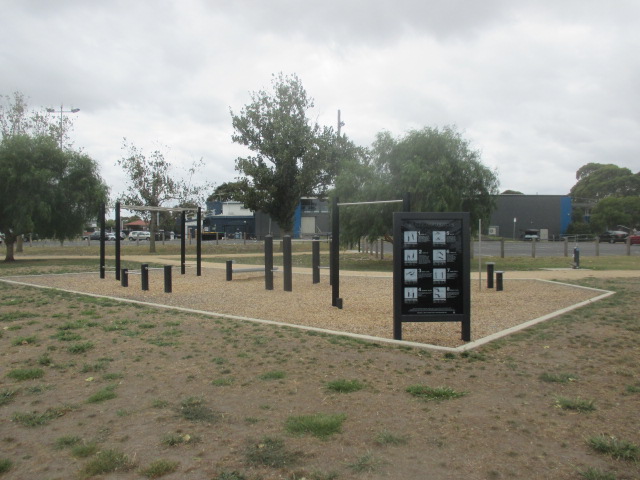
(431,278)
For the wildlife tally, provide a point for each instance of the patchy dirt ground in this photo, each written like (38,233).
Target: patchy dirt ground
(215,395)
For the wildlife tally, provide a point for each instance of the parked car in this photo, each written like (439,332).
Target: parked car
(531,235)
(634,239)
(613,236)
(139,235)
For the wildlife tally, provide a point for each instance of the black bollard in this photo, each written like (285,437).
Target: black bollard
(167,279)
(287,273)
(499,286)
(144,275)
(229,270)
(315,259)
(576,257)
(268,262)
(490,268)
(124,278)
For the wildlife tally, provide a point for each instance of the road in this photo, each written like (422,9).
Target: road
(486,249)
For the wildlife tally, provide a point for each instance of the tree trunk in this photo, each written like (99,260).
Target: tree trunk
(9,242)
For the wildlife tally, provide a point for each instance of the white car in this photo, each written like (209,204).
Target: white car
(139,235)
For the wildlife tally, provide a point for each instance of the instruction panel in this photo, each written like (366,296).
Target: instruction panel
(431,268)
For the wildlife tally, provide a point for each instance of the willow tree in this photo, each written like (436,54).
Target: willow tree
(437,167)
(45,190)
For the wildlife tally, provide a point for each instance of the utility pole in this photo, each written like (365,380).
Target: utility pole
(340,124)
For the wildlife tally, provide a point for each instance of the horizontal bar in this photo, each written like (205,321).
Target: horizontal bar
(370,203)
(157,209)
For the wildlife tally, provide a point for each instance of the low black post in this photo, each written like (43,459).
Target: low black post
(286,263)
(499,284)
(167,279)
(490,268)
(144,275)
(124,277)
(315,259)
(229,270)
(576,257)
(268,262)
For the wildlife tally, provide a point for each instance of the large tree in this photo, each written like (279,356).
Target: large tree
(596,181)
(152,183)
(437,167)
(612,212)
(45,190)
(292,156)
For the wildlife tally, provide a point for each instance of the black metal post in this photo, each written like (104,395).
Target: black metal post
(167,279)
(576,257)
(102,240)
(287,273)
(335,253)
(124,277)
(315,259)
(406,202)
(199,244)
(144,276)
(268,262)
(118,232)
(183,243)
(229,270)
(490,268)
(499,284)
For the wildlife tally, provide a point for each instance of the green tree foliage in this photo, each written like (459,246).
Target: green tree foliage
(597,181)
(436,166)
(45,190)
(228,191)
(152,183)
(613,211)
(292,157)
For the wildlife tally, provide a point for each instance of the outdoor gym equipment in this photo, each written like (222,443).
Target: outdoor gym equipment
(268,268)
(102,221)
(336,301)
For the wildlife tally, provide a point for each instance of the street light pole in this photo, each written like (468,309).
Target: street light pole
(73,110)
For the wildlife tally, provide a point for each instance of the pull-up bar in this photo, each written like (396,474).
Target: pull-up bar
(370,203)
(102,222)
(336,301)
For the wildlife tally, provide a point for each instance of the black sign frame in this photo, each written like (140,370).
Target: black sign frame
(431,269)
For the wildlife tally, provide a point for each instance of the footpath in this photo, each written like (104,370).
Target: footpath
(207,263)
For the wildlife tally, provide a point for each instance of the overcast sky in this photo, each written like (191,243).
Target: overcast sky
(540,88)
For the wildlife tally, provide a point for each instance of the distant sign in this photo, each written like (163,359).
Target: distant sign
(431,277)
